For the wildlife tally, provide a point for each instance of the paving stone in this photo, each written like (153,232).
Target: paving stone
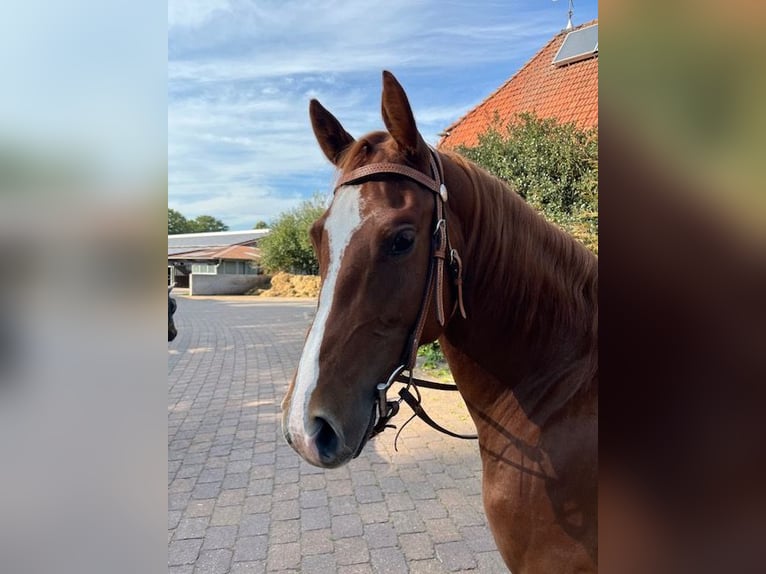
(189,471)
(365,568)
(490,562)
(256,504)
(315,518)
(249,548)
(206,490)
(174,516)
(234,497)
(219,537)
(416,546)
(318,564)
(287,476)
(211,475)
(364,478)
(254,524)
(340,505)
(466,515)
(284,556)
(346,526)
(283,531)
(237,466)
(407,521)
(191,528)
(178,500)
(455,555)
(239,480)
(374,512)
(312,482)
(340,488)
(441,481)
(351,551)
(260,486)
(421,491)
(430,509)
(367,494)
(285,491)
(213,562)
(253,567)
(226,515)
(388,561)
(399,501)
(380,535)
(442,530)
(313,498)
(285,510)
(431,566)
(183,551)
(197,508)
(316,542)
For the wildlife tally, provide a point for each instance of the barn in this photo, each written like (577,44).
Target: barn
(215,263)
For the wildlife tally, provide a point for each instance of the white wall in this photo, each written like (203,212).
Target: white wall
(221,284)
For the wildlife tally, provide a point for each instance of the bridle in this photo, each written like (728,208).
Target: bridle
(384,410)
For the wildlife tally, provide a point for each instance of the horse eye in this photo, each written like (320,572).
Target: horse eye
(403,242)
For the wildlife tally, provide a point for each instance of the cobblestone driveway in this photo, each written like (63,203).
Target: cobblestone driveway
(240,500)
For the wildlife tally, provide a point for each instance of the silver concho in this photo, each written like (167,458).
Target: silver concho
(443,192)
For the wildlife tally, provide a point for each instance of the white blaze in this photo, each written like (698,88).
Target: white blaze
(343,221)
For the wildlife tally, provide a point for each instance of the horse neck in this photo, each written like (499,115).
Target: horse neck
(530,293)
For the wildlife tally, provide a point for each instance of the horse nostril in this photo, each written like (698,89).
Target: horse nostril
(327,441)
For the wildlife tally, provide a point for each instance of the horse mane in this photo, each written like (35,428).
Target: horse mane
(527,273)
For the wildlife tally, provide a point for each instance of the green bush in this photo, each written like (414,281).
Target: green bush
(288,246)
(553,166)
(432,355)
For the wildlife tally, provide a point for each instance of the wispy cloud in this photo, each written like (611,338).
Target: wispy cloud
(241,73)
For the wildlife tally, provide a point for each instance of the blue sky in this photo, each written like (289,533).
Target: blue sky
(241,74)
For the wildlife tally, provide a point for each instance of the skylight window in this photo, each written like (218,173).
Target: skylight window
(578,45)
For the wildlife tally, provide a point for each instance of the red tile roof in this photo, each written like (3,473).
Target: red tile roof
(568,93)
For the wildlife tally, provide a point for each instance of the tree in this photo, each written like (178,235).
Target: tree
(288,246)
(177,223)
(261,225)
(205,223)
(553,166)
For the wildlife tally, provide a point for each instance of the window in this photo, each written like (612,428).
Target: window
(204,269)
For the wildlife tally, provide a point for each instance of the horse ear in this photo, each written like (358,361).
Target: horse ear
(398,117)
(332,138)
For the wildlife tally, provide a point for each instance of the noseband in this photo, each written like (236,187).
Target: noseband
(385,409)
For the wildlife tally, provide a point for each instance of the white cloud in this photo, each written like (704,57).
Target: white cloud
(241,73)
(194,13)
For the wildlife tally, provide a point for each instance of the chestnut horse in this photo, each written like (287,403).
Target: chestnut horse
(419,245)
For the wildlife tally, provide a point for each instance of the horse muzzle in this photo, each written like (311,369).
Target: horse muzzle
(324,444)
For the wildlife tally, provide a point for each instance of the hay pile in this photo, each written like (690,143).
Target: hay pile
(286,285)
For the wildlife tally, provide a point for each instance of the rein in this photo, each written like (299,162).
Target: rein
(384,409)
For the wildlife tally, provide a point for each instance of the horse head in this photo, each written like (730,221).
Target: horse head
(374,245)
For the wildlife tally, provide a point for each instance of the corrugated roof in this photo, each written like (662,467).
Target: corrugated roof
(567,93)
(190,241)
(231,252)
